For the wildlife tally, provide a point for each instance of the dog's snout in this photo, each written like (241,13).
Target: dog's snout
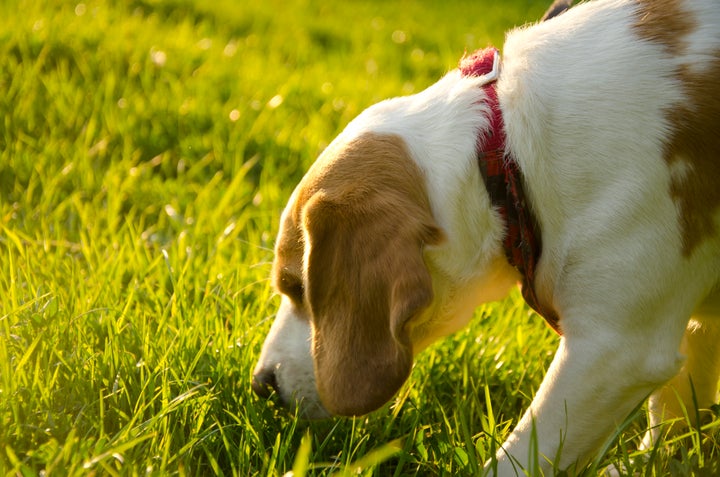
(264,382)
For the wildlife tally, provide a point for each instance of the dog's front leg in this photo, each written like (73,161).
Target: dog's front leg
(593,383)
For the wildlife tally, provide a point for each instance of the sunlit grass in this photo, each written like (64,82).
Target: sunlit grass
(146,150)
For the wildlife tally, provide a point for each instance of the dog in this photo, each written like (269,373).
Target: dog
(582,163)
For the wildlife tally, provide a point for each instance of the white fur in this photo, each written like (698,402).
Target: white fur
(585,105)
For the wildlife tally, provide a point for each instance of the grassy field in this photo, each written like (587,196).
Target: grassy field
(146,150)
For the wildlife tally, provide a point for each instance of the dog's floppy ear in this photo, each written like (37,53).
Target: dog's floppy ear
(557,7)
(366,278)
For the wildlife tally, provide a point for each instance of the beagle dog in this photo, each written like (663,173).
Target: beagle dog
(585,164)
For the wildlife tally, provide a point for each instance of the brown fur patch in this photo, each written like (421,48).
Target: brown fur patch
(694,143)
(665,22)
(361,217)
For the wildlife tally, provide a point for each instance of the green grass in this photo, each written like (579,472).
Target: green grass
(146,150)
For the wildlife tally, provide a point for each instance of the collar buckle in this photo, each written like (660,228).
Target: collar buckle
(492,75)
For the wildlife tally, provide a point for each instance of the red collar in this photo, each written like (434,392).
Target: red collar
(504,183)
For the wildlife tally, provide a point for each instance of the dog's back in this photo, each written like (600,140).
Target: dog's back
(625,97)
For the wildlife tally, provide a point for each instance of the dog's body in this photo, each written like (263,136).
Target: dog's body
(612,113)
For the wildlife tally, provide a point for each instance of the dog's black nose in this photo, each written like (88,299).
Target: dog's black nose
(264,383)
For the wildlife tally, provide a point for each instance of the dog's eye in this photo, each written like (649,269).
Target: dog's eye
(292,287)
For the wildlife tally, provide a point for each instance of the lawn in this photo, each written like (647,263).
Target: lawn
(147,148)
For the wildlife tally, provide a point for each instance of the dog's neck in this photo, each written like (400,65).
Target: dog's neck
(503,180)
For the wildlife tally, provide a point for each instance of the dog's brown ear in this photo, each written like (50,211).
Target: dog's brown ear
(557,7)
(366,279)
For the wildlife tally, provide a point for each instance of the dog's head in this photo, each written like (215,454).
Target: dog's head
(349,266)
(367,275)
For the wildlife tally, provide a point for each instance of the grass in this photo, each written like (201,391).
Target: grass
(146,150)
